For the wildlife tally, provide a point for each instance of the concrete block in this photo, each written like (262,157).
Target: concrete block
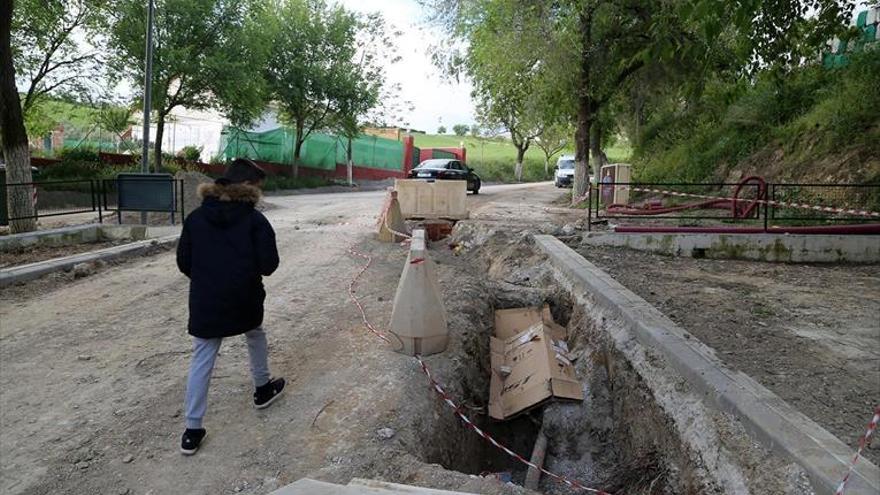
(393,218)
(307,486)
(439,199)
(418,318)
(772,421)
(65,236)
(384,487)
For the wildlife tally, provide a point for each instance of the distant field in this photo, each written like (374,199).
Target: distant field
(493,150)
(494,159)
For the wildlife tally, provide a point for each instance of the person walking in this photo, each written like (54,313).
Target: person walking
(226,248)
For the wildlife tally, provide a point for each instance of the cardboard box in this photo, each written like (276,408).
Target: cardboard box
(530,363)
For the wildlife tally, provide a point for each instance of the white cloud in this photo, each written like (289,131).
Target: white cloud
(436,100)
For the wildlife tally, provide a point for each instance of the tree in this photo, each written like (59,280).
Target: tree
(313,72)
(441,130)
(460,129)
(506,78)
(553,139)
(13,137)
(115,120)
(48,58)
(207,54)
(367,98)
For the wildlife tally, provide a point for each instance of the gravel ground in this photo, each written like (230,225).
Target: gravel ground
(809,333)
(92,373)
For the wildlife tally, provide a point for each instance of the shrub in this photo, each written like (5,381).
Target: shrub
(190,153)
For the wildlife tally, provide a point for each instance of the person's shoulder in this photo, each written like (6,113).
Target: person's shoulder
(259,218)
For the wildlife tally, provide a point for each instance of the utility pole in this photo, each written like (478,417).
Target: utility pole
(148,92)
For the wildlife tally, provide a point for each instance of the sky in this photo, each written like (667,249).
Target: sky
(437,100)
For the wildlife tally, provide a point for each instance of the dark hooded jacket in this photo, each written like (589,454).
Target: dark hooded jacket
(226,248)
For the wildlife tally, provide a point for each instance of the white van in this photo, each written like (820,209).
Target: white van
(564,176)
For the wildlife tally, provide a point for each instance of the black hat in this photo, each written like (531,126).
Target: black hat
(242,170)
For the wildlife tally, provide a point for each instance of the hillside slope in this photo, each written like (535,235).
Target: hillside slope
(813,125)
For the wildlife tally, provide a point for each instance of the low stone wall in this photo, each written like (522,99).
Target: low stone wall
(757,247)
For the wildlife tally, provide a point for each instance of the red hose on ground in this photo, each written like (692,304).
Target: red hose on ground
(725,204)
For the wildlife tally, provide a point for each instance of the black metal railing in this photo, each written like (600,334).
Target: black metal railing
(72,197)
(752,203)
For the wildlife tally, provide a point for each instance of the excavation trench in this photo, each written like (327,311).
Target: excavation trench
(640,430)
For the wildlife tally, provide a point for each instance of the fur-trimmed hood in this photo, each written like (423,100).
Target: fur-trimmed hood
(242,193)
(225,205)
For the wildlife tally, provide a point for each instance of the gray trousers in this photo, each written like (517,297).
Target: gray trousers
(202,365)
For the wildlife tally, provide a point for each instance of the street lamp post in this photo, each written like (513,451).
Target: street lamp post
(148,91)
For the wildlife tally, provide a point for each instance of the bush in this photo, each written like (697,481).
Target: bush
(190,153)
(83,164)
(503,170)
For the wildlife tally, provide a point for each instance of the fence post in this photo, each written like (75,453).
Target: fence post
(766,210)
(589,207)
(182,206)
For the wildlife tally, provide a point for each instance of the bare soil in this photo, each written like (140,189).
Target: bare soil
(42,253)
(809,333)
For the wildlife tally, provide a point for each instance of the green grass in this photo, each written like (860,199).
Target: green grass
(494,159)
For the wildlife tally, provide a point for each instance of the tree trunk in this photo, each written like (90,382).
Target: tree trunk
(350,160)
(13,135)
(584,112)
(297,147)
(596,153)
(520,155)
(157,149)
(546,165)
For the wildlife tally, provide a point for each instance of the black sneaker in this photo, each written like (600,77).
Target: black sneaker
(191,440)
(266,394)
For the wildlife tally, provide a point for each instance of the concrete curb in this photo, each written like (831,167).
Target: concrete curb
(771,420)
(759,247)
(24,273)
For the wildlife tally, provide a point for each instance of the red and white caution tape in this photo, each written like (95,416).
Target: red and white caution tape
(357,302)
(444,396)
(803,206)
(863,442)
(500,446)
(383,219)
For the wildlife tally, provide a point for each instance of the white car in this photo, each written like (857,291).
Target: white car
(564,175)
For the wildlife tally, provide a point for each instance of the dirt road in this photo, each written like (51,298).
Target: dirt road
(92,371)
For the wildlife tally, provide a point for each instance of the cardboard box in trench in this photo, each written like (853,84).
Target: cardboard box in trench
(530,362)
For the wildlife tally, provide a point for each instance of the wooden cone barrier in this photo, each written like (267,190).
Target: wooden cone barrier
(391,217)
(418,318)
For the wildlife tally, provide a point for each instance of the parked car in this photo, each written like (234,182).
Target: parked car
(564,176)
(447,169)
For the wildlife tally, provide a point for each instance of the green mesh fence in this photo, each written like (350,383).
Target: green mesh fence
(320,151)
(442,154)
